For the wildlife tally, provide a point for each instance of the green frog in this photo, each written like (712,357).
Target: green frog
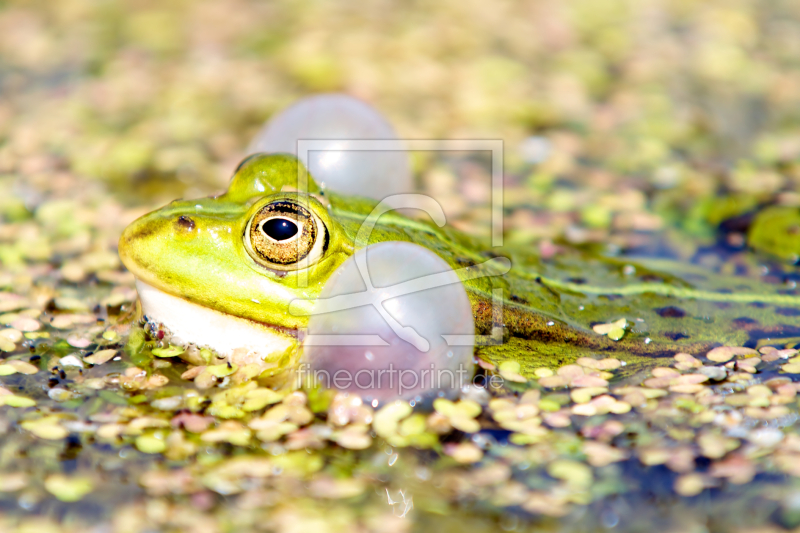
(221,272)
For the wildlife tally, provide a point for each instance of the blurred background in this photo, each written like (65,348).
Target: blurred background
(620,117)
(670,92)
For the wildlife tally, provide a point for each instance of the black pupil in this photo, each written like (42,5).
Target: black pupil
(280,229)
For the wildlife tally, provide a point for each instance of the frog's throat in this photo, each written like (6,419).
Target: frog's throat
(189,322)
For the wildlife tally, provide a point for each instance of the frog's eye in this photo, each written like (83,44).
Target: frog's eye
(284,235)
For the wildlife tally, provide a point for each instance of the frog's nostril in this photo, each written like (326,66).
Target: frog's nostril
(185,222)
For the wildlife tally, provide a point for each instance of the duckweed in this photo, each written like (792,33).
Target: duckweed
(665,128)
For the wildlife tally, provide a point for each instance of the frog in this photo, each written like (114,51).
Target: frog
(775,231)
(221,272)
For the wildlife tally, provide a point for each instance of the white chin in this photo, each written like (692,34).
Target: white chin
(189,323)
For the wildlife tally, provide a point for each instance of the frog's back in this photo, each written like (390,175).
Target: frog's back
(550,305)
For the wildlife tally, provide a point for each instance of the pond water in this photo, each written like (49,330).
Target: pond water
(640,147)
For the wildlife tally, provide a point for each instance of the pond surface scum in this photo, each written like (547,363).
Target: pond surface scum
(650,372)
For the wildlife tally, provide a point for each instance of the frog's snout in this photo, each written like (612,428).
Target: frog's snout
(149,245)
(140,242)
(131,240)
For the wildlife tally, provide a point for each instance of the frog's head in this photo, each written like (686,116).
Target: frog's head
(216,267)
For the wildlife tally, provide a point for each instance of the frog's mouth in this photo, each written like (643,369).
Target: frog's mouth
(191,323)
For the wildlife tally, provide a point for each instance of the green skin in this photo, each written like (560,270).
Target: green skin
(547,318)
(776,231)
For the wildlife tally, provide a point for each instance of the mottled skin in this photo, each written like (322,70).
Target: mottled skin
(194,249)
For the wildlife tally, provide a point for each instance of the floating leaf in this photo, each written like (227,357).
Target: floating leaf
(387,418)
(615,330)
(22,367)
(151,443)
(46,428)
(260,398)
(573,472)
(465,452)
(12,400)
(100,357)
(170,351)
(68,489)
(220,371)
(726,353)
